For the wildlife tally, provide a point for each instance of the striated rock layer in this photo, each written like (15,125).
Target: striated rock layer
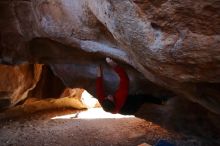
(174,44)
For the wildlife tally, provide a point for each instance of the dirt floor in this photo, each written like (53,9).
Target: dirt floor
(55,122)
(71,127)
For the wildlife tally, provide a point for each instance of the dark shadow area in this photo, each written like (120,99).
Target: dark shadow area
(134,102)
(184,117)
(49,85)
(4,103)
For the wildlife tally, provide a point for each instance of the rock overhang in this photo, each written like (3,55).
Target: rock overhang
(181,56)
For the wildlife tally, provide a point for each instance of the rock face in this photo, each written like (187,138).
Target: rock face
(183,116)
(175,44)
(50,86)
(16,82)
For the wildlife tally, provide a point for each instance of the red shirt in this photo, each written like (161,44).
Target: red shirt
(120,94)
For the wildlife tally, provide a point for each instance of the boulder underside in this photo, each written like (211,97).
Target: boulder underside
(169,46)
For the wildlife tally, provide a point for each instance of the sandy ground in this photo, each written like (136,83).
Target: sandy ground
(82,128)
(41,130)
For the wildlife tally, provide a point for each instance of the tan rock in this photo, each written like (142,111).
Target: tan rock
(144,144)
(16,82)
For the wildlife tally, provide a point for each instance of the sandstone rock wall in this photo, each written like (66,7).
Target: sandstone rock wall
(173,43)
(16,82)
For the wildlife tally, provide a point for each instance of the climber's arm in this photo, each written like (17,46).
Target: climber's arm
(99,85)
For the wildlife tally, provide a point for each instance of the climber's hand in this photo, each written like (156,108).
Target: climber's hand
(111,62)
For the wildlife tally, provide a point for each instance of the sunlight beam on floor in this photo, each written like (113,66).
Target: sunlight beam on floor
(93,113)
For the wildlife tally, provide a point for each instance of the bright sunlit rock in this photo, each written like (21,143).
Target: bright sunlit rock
(88,100)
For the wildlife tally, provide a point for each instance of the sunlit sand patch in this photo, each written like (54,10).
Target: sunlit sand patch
(93,113)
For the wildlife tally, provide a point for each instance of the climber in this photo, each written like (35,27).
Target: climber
(121,101)
(110,103)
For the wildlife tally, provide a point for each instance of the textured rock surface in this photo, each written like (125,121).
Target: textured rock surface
(183,116)
(16,82)
(173,43)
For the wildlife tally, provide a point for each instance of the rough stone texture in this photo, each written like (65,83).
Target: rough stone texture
(16,82)
(173,43)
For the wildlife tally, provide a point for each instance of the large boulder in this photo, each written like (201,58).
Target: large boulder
(16,82)
(174,44)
